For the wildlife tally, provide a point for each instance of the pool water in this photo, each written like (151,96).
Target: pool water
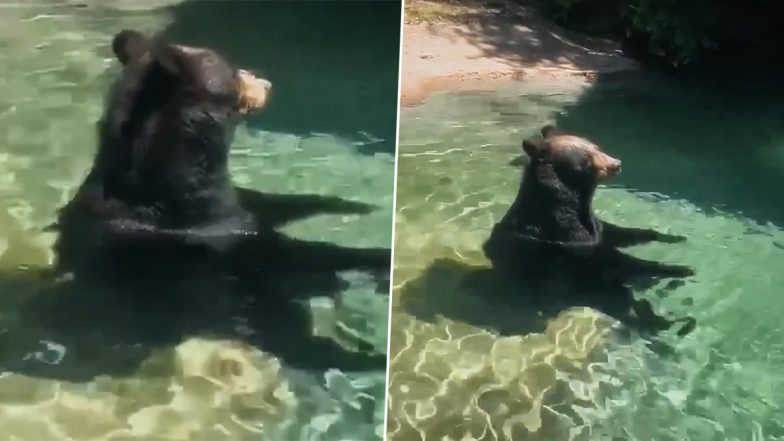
(703,159)
(90,370)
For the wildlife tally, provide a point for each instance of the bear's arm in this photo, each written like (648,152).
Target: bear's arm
(618,236)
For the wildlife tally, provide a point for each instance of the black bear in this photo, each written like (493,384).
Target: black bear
(551,230)
(158,245)
(160,186)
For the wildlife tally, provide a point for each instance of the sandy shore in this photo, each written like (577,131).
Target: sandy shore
(482,46)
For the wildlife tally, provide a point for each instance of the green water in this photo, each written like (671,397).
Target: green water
(328,129)
(702,158)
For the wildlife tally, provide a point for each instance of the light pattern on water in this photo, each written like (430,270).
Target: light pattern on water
(55,65)
(568,376)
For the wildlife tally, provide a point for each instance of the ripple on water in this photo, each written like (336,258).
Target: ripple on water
(465,365)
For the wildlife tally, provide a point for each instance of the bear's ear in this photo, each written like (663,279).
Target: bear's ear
(534,147)
(129,45)
(550,130)
(173,58)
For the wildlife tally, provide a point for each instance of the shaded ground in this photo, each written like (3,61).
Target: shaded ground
(454,45)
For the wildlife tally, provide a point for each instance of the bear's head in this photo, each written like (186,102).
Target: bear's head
(167,127)
(196,73)
(574,161)
(554,202)
(195,84)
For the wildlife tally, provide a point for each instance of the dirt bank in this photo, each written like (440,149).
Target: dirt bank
(458,46)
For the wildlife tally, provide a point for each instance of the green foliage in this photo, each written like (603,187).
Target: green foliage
(675,31)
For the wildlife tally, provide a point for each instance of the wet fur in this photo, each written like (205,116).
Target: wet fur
(550,231)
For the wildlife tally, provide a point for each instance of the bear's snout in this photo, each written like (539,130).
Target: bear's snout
(607,167)
(253,91)
(615,167)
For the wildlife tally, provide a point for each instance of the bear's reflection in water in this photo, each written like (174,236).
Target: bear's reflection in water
(119,304)
(550,252)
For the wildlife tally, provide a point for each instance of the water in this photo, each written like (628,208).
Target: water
(703,159)
(81,366)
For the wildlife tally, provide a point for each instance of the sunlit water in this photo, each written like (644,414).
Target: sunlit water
(701,161)
(55,65)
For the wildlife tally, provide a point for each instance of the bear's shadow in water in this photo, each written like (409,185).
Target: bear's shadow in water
(108,319)
(515,300)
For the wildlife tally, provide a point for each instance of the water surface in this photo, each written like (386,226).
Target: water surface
(91,370)
(703,159)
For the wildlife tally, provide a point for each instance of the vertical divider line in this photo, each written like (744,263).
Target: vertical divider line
(394,215)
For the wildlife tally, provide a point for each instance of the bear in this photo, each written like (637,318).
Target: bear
(157,244)
(160,186)
(550,230)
